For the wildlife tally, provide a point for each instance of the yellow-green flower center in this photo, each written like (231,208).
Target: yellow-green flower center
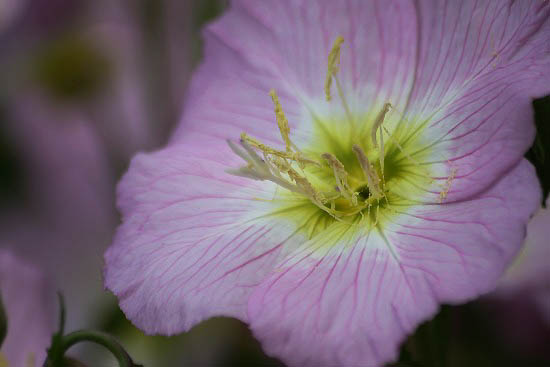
(344,175)
(357,170)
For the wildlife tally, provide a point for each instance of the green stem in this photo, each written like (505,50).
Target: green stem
(61,343)
(106,340)
(62,313)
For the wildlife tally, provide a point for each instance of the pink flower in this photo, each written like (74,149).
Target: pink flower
(335,227)
(28,303)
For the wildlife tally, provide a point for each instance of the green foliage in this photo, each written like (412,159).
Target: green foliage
(11,185)
(3,322)
(466,335)
(539,154)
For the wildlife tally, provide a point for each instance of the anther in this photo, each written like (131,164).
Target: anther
(378,123)
(332,69)
(282,122)
(333,64)
(378,126)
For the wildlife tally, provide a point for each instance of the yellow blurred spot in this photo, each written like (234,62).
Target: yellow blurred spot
(4,361)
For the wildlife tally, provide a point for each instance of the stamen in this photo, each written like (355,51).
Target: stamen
(341,177)
(332,70)
(291,150)
(306,186)
(238,151)
(377,125)
(373,181)
(282,122)
(309,191)
(378,122)
(272,169)
(255,159)
(333,64)
(259,169)
(294,156)
(352,196)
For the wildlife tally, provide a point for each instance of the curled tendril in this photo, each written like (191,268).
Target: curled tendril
(61,343)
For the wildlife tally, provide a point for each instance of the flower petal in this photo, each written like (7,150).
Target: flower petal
(480,63)
(193,242)
(28,302)
(259,45)
(353,302)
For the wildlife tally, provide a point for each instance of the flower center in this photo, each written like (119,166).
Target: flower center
(361,171)
(344,176)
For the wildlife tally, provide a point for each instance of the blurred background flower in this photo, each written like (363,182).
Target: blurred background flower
(74,112)
(85,84)
(28,305)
